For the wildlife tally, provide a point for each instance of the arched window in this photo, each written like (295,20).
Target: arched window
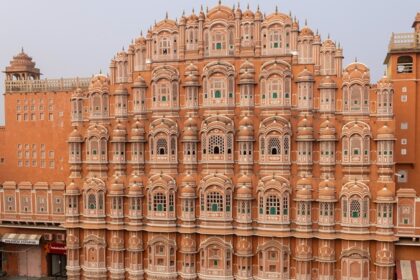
(163,140)
(273,200)
(355,204)
(273,261)
(275,84)
(162,254)
(216,258)
(405,64)
(217,139)
(218,85)
(356,143)
(93,196)
(274,140)
(165,83)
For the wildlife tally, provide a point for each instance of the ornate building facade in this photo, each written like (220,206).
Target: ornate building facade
(225,145)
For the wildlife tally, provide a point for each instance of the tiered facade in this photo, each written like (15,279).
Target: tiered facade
(227,145)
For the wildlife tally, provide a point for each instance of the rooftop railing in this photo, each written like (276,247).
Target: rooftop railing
(401,41)
(46,85)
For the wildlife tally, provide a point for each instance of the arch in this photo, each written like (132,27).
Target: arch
(217,138)
(275,140)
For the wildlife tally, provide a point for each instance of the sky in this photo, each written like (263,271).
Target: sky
(78,38)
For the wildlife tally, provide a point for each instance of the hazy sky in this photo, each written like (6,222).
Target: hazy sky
(79,37)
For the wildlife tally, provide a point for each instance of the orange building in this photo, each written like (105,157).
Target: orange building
(225,145)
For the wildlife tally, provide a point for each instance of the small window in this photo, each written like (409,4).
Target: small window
(402,176)
(404,141)
(403,152)
(404,98)
(405,64)
(404,125)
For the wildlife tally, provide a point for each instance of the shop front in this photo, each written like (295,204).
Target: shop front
(21,254)
(56,259)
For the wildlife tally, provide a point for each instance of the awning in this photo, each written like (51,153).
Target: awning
(56,248)
(408,270)
(24,239)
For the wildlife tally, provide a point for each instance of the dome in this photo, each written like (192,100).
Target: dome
(75,136)
(119,131)
(187,244)
(246,131)
(191,74)
(304,194)
(23,63)
(305,129)
(326,194)
(190,122)
(385,194)
(356,71)
(188,179)
(137,131)
(305,76)
(117,187)
(99,83)
(121,90)
(306,31)
(188,191)
(72,188)
(244,179)
(327,184)
(327,82)
(248,14)
(328,44)
(385,132)
(244,192)
(304,182)
(245,121)
(139,82)
(77,93)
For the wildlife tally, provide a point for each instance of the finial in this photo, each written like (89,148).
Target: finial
(247,6)
(258,7)
(317,33)
(328,36)
(207,9)
(193,11)
(100,71)
(155,23)
(166,16)
(239,5)
(183,12)
(123,48)
(201,8)
(306,22)
(22,50)
(220,2)
(141,33)
(233,7)
(277,9)
(355,59)
(290,13)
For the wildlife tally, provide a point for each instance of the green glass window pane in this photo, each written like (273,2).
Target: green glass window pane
(163,98)
(171,208)
(218,46)
(273,211)
(160,207)
(214,207)
(276,44)
(274,94)
(355,214)
(217,94)
(285,211)
(261,210)
(228,208)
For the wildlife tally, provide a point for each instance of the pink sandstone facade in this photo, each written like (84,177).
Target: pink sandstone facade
(225,145)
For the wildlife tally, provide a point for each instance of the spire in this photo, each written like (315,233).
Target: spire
(201,8)
(183,12)
(355,59)
(166,16)
(220,2)
(306,22)
(239,5)
(328,36)
(193,11)
(22,50)
(277,9)
(247,6)
(141,33)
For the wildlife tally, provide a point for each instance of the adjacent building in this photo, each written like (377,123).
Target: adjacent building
(224,145)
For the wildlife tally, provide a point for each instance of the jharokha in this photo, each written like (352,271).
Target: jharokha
(227,144)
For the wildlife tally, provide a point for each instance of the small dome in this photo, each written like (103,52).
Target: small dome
(305,129)
(190,122)
(385,131)
(306,31)
(327,82)
(75,136)
(246,131)
(137,130)
(188,191)
(117,186)
(245,121)
(244,179)
(188,179)
(326,124)
(119,131)
(327,184)
(244,191)
(248,14)
(356,71)
(326,194)
(99,82)
(135,180)
(304,182)
(304,194)
(385,194)
(121,90)
(72,188)
(305,76)
(140,83)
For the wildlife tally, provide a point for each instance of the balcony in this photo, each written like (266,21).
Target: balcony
(404,41)
(46,85)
